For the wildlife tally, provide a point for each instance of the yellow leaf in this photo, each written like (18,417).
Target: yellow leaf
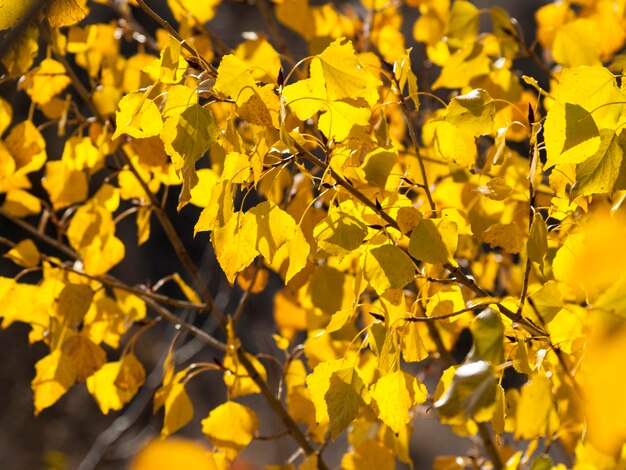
(472,113)
(462,66)
(340,117)
(318,383)
(235,80)
(345,397)
(496,189)
(46,81)
(170,66)
(470,395)
(289,316)
(343,75)
(66,12)
(488,337)
(219,211)
(178,409)
(535,415)
(537,245)
(261,58)
(85,355)
(143,224)
(187,137)
(603,382)
(81,154)
(453,145)
(22,52)
(387,267)
(434,241)
(235,248)
(55,374)
(447,300)
(195,11)
(587,98)
(369,454)
(394,395)
(585,32)
(509,237)
(137,116)
(341,231)
(603,172)
(230,427)
(11,13)
(27,147)
(298,249)
(412,346)
(201,192)
(103,385)
(20,203)
(73,303)
(174,454)
(64,185)
(25,254)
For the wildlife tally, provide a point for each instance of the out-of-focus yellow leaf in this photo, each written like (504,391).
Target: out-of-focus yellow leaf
(230,427)
(170,66)
(64,185)
(585,32)
(537,245)
(470,395)
(22,52)
(55,374)
(447,300)
(174,454)
(369,454)
(25,254)
(261,58)
(27,147)
(509,237)
(201,192)
(46,81)
(20,203)
(536,416)
(488,337)
(195,11)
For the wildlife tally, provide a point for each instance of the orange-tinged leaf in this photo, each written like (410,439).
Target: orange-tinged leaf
(55,374)
(73,303)
(230,427)
(25,254)
(27,147)
(62,13)
(85,355)
(20,203)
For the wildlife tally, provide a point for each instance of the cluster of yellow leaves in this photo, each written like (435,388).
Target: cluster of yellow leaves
(374,226)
